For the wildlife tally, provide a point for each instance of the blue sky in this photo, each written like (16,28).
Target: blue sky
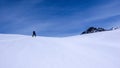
(57,17)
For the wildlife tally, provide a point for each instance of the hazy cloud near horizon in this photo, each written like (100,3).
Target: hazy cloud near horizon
(57,17)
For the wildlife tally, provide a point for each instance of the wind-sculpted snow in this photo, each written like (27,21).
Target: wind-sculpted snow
(97,50)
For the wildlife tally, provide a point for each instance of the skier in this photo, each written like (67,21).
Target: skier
(34,34)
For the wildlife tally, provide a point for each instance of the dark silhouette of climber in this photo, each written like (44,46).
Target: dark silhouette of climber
(34,34)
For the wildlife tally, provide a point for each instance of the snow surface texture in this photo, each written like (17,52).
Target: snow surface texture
(96,50)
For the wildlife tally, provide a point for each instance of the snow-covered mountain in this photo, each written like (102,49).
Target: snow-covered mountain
(97,50)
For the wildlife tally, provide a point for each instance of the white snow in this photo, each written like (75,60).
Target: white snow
(96,50)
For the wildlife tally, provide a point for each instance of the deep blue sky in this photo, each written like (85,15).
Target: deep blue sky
(57,17)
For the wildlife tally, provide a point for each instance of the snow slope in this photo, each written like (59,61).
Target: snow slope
(97,50)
